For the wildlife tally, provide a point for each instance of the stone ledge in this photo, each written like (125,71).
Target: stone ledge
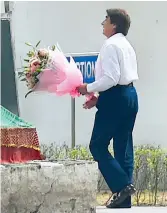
(49,187)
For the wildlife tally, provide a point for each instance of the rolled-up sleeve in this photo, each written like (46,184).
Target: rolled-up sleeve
(111,71)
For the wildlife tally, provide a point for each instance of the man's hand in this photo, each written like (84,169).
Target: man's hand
(82,89)
(91,103)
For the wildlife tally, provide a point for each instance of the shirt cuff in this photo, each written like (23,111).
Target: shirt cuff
(90,88)
(96,94)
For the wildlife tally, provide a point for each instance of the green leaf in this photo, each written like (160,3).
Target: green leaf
(28,93)
(53,47)
(26,70)
(30,54)
(20,74)
(38,70)
(28,44)
(38,43)
(35,74)
(27,60)
(36,80)
(23,79)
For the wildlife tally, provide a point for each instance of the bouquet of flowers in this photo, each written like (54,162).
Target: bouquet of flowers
(49,70)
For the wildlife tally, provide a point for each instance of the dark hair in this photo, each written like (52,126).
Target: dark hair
(121,19)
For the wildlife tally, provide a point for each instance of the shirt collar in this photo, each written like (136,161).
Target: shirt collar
(117,35)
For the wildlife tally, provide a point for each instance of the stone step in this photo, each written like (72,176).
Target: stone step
(101,209)
(49,187)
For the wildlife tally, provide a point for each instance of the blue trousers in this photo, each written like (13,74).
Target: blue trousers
(115,118)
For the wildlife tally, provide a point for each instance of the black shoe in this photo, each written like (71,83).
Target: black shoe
(127,191)
(120,207)
(113,197)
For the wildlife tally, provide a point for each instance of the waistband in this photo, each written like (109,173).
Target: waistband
(128,85)
(117,86)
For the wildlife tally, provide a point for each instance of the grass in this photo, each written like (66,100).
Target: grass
(145,199)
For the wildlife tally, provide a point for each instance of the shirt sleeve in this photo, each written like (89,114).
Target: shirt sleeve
(111,71)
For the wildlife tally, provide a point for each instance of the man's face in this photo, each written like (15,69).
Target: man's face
(108,28)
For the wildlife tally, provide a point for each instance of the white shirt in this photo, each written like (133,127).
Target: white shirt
(116,64)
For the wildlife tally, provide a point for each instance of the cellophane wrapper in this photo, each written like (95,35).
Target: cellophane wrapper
(60,76)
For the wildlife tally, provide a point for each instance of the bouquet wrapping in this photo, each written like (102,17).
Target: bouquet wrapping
(49,70)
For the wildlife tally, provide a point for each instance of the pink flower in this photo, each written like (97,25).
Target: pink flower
(34,68)
(30,83)
(43,52)
(28,75)
(35,64)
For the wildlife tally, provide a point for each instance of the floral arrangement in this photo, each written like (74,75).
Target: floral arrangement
(35,63)
(49,70)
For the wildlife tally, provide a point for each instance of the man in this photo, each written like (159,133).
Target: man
(117,107)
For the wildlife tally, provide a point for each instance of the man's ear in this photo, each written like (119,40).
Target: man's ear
(114,26)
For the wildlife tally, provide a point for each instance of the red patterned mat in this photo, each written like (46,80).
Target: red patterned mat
(19,145)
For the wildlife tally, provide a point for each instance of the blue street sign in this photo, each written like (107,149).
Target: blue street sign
(86,63)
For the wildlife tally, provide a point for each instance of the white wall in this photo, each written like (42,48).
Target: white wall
(2,7)
(76,26)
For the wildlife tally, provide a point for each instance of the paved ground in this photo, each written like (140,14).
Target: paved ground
(133,210)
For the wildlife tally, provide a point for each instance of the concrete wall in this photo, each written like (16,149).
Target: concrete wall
(76,26)
(45,187)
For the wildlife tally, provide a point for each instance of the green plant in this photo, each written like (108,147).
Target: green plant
(150,169)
